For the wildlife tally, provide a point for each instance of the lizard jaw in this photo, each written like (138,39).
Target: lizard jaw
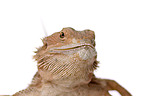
(85,51)
(72,46)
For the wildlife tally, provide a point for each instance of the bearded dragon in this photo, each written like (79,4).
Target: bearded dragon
(66,63)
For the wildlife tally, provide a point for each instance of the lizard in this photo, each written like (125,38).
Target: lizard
(66,63)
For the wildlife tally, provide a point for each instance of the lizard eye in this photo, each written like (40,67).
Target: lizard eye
(61,35)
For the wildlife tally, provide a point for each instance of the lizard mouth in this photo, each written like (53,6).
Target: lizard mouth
(84,51)
(73,46)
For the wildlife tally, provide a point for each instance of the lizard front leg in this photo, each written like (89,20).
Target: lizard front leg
(111,85)
(33,88)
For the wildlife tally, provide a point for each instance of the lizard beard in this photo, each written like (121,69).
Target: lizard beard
(68,68)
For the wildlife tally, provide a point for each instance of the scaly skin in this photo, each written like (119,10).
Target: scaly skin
(66,62)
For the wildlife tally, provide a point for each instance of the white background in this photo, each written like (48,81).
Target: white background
(120,38)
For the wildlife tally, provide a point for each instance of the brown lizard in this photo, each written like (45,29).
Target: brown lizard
(66,62)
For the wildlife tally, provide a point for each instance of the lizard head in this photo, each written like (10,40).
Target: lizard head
(68,41)
(67,52)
